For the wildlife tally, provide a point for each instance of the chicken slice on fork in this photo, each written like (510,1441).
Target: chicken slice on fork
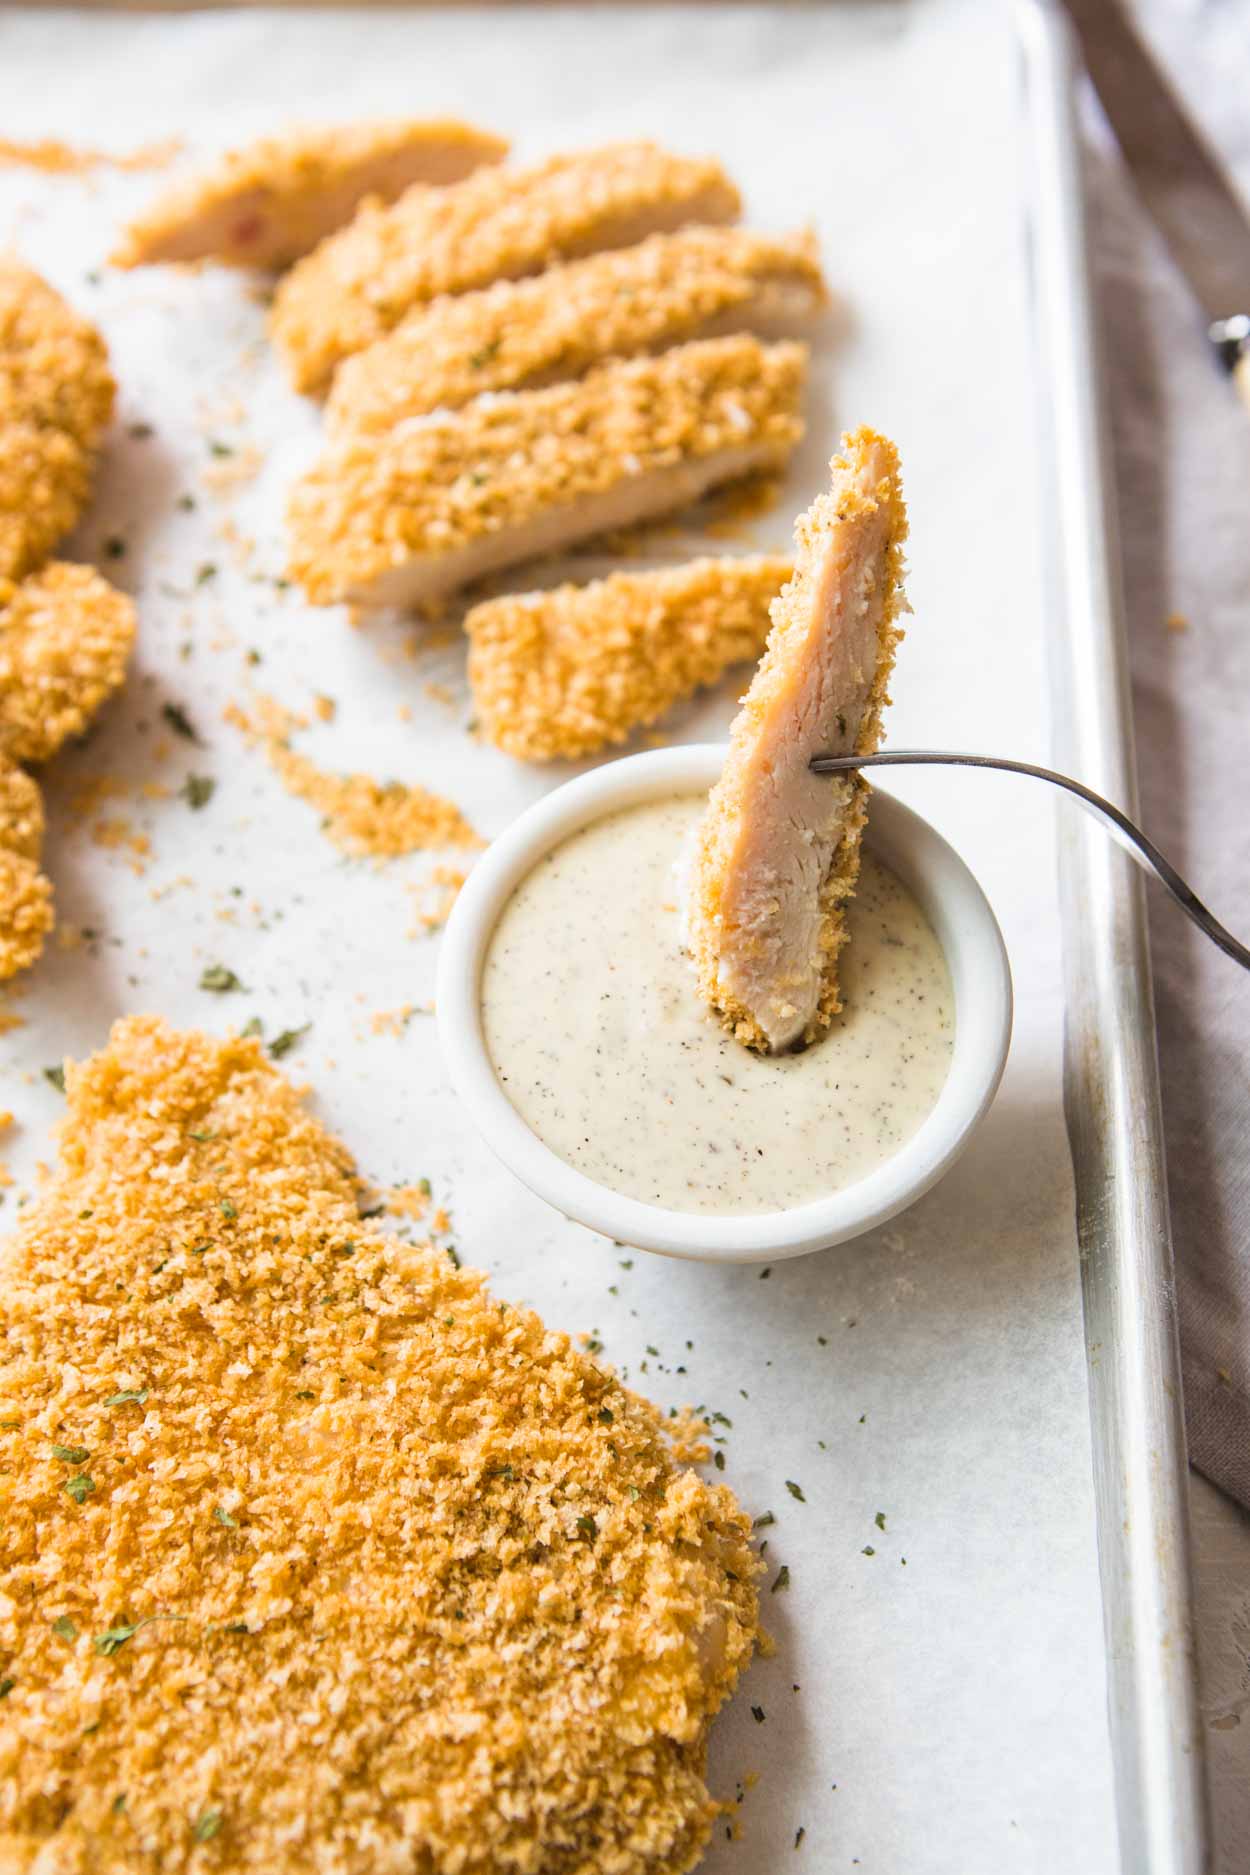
(778,850)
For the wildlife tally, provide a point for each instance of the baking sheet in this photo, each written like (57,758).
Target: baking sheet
(945,1714)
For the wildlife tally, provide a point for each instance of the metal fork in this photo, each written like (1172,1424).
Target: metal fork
(1130,836)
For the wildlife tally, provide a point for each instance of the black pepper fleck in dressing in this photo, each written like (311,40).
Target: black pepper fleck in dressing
(600,1040)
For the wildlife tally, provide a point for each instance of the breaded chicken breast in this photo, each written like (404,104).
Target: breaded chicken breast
(56,398)
(393,520)
(25,894)
(521,333)
(498,225)
(65,639)
(267,204)
(778,852)
(561,674)
(313,1555)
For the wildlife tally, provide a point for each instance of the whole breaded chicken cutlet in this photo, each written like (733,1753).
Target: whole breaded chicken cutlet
(313,1555)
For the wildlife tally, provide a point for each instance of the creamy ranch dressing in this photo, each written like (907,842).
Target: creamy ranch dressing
(602,1044)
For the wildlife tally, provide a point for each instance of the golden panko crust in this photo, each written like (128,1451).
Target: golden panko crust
(65,638)
(558,324)
(54,369)
(374,503)
(498,224)
(560,674)
(313,1556)
(791,610)
(269,203)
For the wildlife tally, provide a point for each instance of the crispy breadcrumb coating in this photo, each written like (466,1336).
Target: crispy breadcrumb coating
(65,638)
(313,1556)
(25,894)
(499,224)
(815,686)
(560,674)
(520,333)
(56,397)
(381,520)
(265,205)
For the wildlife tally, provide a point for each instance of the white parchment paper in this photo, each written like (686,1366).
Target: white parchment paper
(935,1707)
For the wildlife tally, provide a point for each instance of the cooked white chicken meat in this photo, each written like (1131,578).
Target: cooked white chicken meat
(778,851)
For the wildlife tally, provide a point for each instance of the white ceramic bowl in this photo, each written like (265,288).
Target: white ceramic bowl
(932,871)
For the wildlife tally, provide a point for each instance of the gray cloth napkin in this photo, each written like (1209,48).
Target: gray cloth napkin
(1182,460)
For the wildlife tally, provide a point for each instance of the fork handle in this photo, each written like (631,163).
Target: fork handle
(1140,845)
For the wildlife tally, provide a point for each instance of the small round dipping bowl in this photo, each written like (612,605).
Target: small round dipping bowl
(931,870)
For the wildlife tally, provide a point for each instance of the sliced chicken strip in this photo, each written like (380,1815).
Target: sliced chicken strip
(54,370)
(56,397)
(560,674)
(519,334)
(21,811)
(45,483)
(441,501)
(500,224)
(25,894)
(778,852)
(65,638)
(267,204)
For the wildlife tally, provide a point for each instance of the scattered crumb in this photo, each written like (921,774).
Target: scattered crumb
(434,898)
(1176,622)
(56,158)
(408,1200)
(224,472)
(364,817)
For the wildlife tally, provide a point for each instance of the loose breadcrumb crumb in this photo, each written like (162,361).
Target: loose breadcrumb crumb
(65,639)
(56,158)
(560,674)
(312,1554)
(521,333)
(363,817)
(500,224)
(442,500)
(265,205)
(54,369)
(435,898)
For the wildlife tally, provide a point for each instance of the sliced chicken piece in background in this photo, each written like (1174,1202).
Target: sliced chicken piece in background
(778,852)
(519,334)
(499,224)
(557,675)
(444,500)
(270,203)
